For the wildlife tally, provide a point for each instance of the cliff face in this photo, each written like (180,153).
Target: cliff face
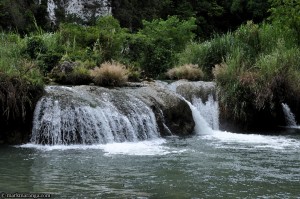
(81,9)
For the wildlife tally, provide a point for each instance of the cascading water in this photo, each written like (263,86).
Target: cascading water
(205,114)
(209,110)
(289,116)
(95,115)
(201,125)
(76,116)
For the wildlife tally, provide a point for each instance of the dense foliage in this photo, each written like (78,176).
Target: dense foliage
(211,16)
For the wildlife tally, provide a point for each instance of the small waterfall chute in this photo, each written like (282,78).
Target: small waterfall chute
(205,114)
(209,110)
(289,116)
(201,126)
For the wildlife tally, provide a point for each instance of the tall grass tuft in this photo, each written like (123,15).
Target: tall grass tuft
(209,53)
(187,71)
(110,74)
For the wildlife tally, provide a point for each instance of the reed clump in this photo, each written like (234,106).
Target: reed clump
(257,76)
(187,71)
(110,74)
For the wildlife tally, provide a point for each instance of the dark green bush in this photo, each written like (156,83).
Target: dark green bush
(48,61)
(209,53)
(154,48)
(35,46)
(71,73)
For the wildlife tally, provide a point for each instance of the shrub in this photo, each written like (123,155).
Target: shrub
(270,35)
(110,74)
(209,53)
(72,73)
(17,96)
(253,86)
(35,46)
(187,71)
(105,40)
(247,37)
(277,75)
(154,47)
(79,76)
(134,74)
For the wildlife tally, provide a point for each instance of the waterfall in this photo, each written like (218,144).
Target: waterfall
(96,115)
(76,116)
(289,116)
(205,112)
(209,110)
(201,125)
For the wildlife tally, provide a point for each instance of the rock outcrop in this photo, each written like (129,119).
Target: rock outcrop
(81,9)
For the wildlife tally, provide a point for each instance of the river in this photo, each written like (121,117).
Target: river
(218,165)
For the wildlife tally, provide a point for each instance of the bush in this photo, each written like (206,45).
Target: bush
(110,74)
(277,76)
(134,74)
(17,97)
(35,46)
(253,86)
(187,71)
(154,47)
(270,35)
(247,36)
(234,93)
(209,53)
(105,40)
(72,73)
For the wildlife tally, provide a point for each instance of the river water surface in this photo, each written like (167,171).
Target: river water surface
(219,165)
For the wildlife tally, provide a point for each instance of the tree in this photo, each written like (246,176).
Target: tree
(286,14)
(21,15)
(155,46)
(131,13)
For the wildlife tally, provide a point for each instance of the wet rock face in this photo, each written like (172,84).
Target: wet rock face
(197,89)
(82,9)
(172,112)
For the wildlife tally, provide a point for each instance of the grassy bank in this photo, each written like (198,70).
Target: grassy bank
(256,69)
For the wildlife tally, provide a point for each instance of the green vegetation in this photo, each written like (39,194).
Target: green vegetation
(257,75)
(21,83)
(187,71)
(110,74)
(154,48)
(255,63)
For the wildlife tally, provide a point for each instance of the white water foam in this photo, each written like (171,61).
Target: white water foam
(248,141)
(143,148)
(203,115)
